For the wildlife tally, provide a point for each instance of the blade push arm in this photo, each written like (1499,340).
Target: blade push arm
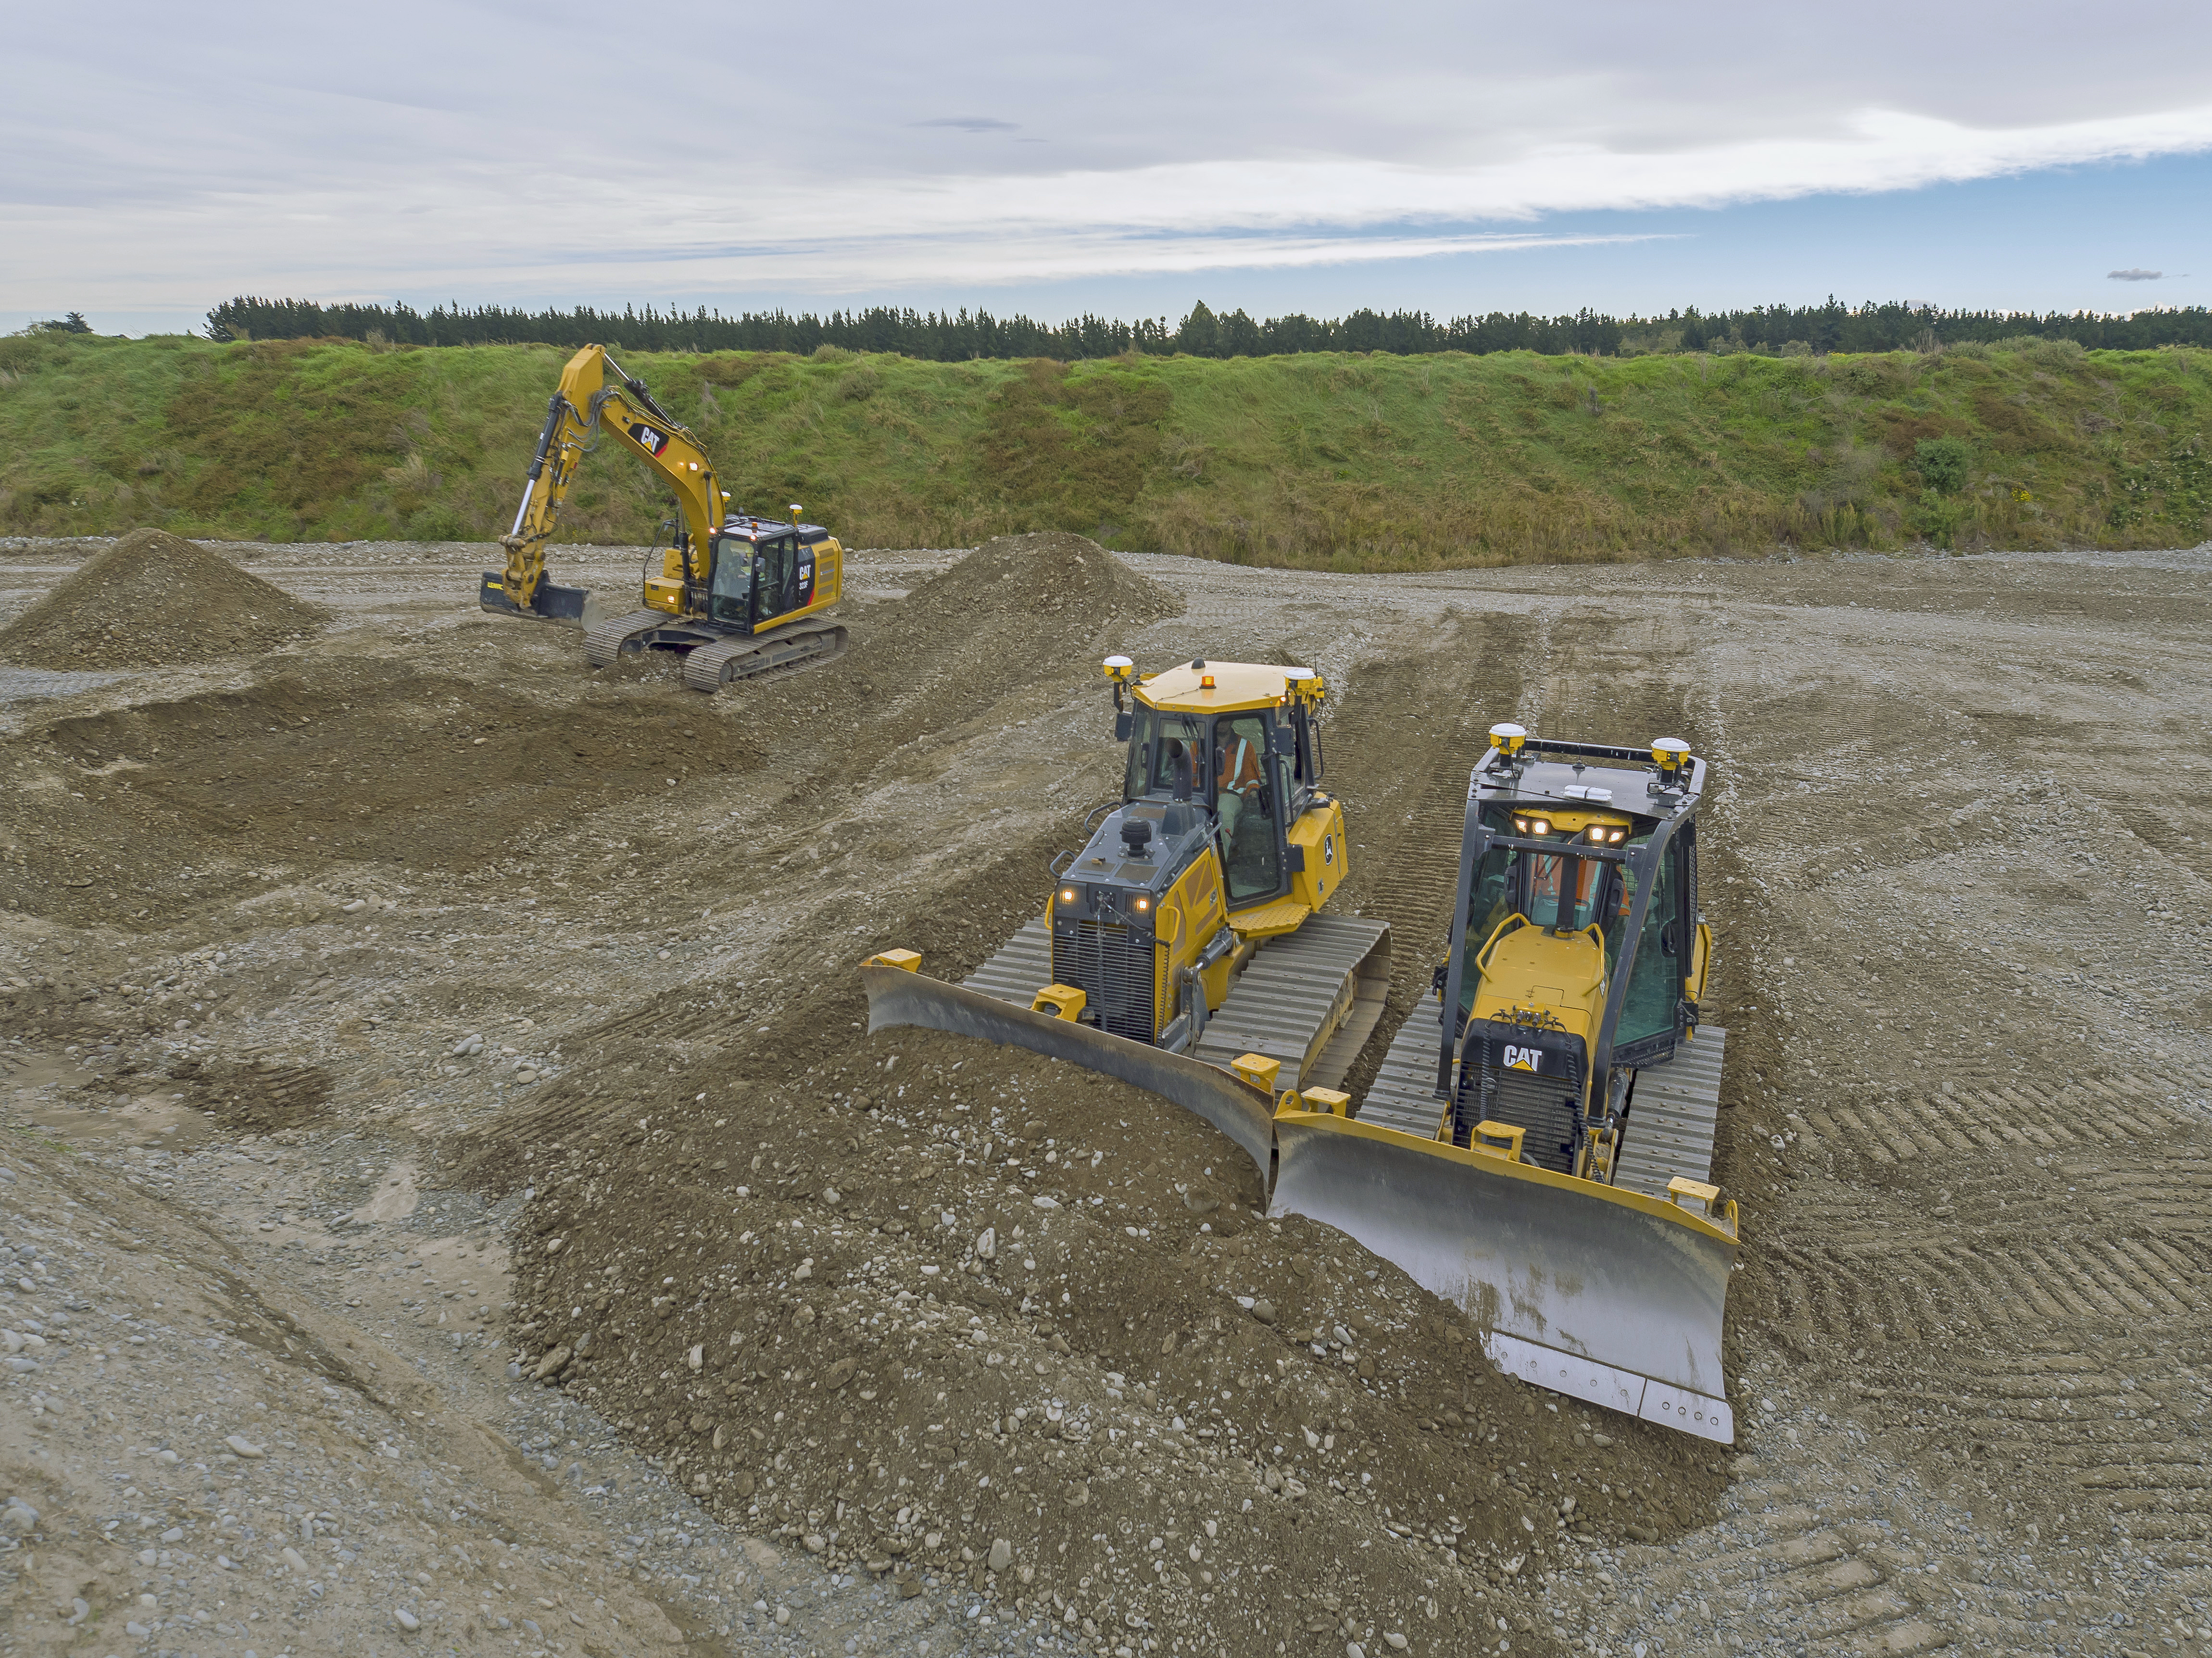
(595,393)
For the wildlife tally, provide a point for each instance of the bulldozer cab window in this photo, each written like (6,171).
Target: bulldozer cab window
(1655,977)
(1510,881)
(1563,891)
(1165,749)
(729,596)
(1247,807)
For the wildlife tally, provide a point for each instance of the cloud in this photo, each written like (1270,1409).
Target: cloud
(2136,275)
(179,156)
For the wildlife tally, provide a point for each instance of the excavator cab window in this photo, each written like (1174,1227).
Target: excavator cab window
(776,568)
(729,594)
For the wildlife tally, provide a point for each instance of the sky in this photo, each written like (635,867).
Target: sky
(1292,156)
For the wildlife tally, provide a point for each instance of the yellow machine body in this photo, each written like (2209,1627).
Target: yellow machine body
(595,398)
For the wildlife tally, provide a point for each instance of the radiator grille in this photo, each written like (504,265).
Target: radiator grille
(1545,1104)
(1113,968)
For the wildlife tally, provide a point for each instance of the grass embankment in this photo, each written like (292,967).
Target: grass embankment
(1332,461)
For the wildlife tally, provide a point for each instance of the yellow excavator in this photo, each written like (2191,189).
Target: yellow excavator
(737,595)
(1536,1146)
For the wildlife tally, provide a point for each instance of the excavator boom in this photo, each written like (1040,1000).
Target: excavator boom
(586,402)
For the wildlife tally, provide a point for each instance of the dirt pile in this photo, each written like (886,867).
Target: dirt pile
(919,1305)
(1066,582)
(369,759)
(154,600)
(1017,612)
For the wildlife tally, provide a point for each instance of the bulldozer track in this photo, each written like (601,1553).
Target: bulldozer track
(1403,1095)
(1674,1112)
(1020,967)
(1308,1001)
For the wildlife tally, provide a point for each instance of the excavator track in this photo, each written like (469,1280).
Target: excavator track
(710,667)
(605,640)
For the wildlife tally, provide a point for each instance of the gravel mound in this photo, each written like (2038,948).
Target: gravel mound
(1062,582)
(1019,612)
(154,600)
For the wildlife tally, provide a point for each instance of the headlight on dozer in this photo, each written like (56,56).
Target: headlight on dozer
(1070,896)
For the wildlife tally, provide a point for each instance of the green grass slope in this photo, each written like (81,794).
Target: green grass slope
(1332,461)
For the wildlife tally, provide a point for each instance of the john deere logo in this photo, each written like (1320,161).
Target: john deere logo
(1523,1058)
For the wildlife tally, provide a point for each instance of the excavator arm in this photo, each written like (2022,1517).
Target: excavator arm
(595,395)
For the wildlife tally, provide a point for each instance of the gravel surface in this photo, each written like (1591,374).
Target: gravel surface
(420,947)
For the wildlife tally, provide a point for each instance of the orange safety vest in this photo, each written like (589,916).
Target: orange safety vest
(1242,772)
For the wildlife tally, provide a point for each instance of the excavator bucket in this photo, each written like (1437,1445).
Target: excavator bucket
(554,604)
(1598,1293)
(899,995)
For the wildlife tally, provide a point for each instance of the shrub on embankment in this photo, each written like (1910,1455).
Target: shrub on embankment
(1327,460)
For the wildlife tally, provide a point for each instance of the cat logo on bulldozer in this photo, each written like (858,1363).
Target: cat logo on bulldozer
(1524,1058)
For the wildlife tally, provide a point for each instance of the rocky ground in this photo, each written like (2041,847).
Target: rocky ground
(453,1199)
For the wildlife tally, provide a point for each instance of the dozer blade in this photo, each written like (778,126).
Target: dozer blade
(1594,1291)
(554,604)
(899,997)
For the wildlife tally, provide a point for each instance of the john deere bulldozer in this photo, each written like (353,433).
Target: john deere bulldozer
(1182,949)
(1536,1146)
(737,595)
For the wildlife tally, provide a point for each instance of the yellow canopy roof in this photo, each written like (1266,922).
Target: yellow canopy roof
(1235,685)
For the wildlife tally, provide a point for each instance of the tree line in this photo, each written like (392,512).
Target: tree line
(954,337)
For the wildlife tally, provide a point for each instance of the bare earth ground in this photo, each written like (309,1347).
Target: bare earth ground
(905,1344)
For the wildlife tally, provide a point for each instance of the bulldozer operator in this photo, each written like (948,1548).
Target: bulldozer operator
(1239,781)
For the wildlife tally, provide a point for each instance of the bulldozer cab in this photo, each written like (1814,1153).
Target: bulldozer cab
(1253,768)
(1579,950)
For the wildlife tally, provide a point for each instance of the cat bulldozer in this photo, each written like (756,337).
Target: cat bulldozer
(737,595)
(1537,1144)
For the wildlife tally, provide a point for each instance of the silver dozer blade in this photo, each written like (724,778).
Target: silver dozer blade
(898,997)
(1598,1293)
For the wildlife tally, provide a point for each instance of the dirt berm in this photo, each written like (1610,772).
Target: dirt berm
(154,600)
(1019,610)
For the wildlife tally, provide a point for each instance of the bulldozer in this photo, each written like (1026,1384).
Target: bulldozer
(1182,948)
(737,595)
(1536,1143)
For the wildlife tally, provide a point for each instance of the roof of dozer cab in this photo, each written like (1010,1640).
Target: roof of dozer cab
(1205,687)
(1592,787)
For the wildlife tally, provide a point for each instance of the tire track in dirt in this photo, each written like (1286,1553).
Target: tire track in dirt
(1988,1261)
